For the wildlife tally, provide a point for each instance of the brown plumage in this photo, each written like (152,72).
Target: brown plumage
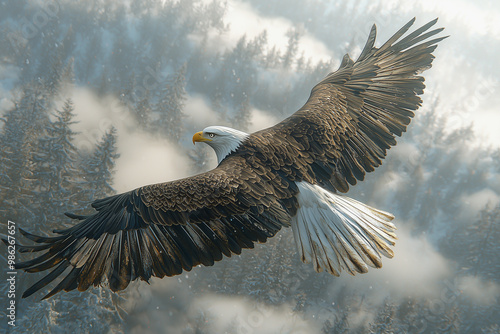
(342,132)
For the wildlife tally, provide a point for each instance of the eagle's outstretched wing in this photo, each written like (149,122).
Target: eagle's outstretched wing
(160,230)
(353,115)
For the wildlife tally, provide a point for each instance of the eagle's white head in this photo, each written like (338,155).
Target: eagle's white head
(222,139)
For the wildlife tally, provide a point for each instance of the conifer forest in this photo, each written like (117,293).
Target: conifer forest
(99,97)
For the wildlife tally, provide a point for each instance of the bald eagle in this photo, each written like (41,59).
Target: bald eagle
(291,174)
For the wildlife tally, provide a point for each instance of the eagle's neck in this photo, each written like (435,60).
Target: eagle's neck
(227,143)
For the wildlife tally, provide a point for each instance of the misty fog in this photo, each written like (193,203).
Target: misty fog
(127,84)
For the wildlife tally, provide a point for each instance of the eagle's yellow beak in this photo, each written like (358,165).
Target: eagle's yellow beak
(198,137)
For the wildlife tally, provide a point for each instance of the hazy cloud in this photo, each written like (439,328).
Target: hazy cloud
(234,314)
(479,290)
(261,120)
(199,113)
(475,202)
(169,306)
(417,270)
(95,115)
(243,19)
(144,158)
(480,18)
(8,75)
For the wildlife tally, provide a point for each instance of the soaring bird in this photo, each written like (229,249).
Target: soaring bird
(289,175)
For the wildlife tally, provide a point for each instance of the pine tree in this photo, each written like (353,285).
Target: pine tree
(64,150)
(171,104)
(52,80)
(199,156)
(104,84)
(478,249)
(385,320)
(413,316)
(68,76)
(122,55)
(24,125)
(491,329)
(339,326)
(143,111)
(451,321)
(89,59)
(68,43)
(292,48)
(54,171)
(241,119)
(97,170)
(483,248)
(128,95)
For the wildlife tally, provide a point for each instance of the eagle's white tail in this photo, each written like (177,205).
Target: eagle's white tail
(336,232)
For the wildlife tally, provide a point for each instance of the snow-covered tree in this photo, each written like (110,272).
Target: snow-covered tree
(97,170)
(24,125)
(385,321)
(171,105)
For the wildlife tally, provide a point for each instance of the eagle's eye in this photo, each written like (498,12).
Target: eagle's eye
(211,135)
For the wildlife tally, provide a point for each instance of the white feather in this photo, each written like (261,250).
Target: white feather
(336,232)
